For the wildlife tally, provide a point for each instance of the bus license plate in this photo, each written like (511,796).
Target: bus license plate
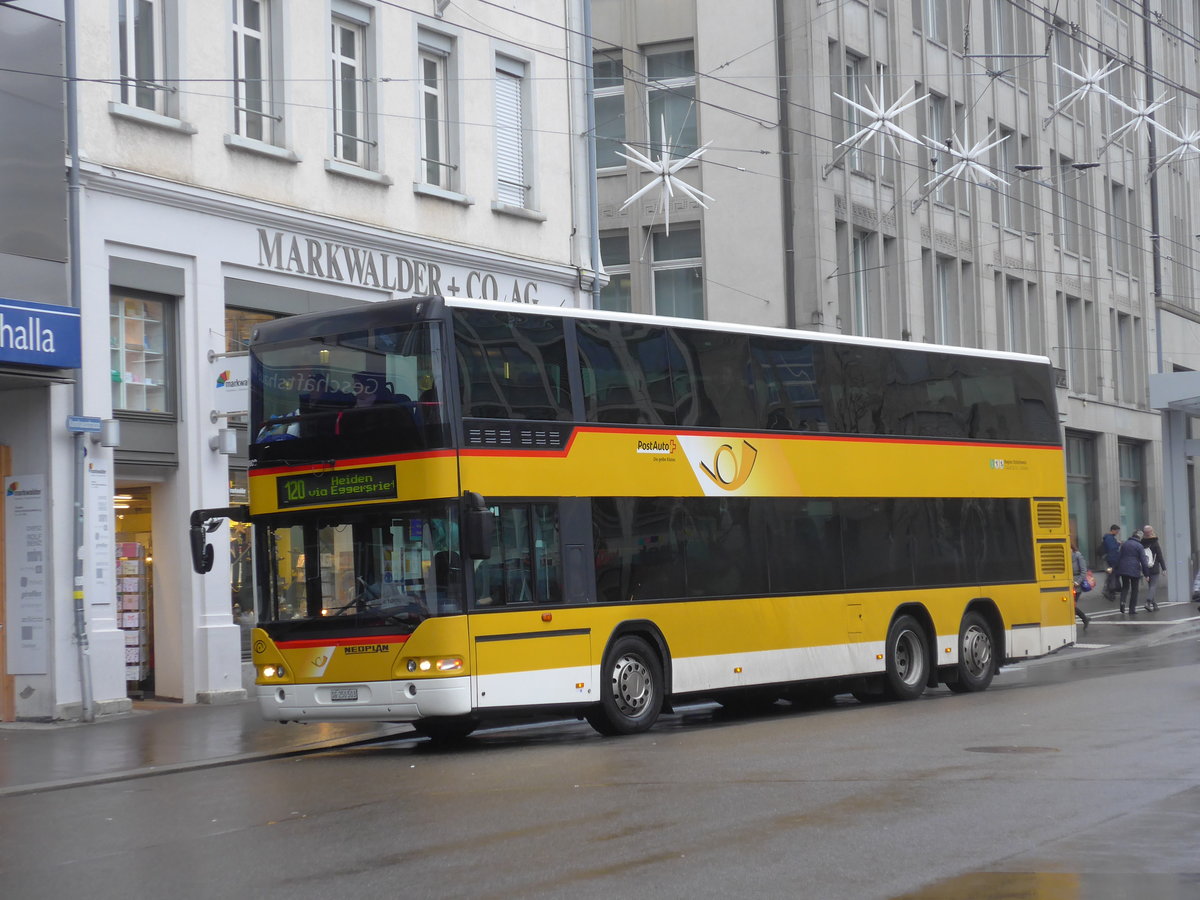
(343,694)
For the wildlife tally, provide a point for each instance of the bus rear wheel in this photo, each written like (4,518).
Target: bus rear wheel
(976,656)
(631,689)
(906,660)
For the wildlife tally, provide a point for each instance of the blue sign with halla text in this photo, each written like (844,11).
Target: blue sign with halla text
(39,334)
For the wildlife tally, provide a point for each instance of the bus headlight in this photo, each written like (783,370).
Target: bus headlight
(446,664)
(272,671)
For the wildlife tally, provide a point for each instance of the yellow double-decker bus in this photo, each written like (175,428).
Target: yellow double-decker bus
(466,511)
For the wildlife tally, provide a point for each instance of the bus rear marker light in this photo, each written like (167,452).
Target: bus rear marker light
(737,670)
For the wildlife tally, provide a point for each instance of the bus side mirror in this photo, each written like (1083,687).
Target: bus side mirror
(202,551)
(203,523)
(478,526)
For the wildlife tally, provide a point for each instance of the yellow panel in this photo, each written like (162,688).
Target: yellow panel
(644,463)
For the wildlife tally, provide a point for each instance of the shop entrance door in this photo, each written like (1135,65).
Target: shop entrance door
(135,586)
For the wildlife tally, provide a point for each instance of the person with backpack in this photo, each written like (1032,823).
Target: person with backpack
(1131,567)
(1158,564)
(1081,573)
(1110,549)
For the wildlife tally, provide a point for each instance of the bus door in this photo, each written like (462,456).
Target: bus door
(531,634)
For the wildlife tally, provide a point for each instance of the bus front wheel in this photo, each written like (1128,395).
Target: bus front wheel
(631,689)
(976,656)
(907,660)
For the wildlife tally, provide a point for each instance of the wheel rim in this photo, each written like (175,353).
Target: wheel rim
(976,651)
(907,657)
(633,685)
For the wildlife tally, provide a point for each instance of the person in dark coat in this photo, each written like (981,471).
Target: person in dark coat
(1131,568)
(1112,548)
(1156,568)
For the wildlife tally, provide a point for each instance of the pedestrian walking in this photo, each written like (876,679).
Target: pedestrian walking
(1110,549)
(1131,567)
(1080,569)
(1158,564)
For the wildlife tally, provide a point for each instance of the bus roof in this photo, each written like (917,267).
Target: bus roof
(418,308)
(734,327)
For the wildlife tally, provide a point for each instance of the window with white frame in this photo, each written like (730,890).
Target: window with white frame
(1066,205)
(1074,342)
(1064,58)
(1003,34)
(671,101)
(1129,362)
(352,64)
(1012,308)
(1120,231)
(862,252)
(945,308)
(608,77)
(438,151)
(677,270)
(512,132)
(854,77)
(617,295)
(934,19)
(147,58)
(1006,199)
(939,132)
(254,85)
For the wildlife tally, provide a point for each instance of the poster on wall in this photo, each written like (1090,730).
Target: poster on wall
(100,532)
(27,564)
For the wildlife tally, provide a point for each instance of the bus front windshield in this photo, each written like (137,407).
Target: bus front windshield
(383,568)
(369,392)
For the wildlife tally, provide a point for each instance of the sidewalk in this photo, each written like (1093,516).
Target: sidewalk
(159,737)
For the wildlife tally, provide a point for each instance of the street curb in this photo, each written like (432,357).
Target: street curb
(218,762)
(1168,633)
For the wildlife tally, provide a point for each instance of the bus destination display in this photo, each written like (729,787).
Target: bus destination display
(343,486)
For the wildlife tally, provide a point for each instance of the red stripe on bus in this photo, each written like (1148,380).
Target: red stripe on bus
(342,642)
(351,462)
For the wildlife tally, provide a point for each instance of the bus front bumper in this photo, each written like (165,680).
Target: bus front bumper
(372,701)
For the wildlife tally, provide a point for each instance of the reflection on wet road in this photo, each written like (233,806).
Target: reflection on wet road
(1150,854)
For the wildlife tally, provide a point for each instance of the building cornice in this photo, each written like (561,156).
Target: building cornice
(262,214)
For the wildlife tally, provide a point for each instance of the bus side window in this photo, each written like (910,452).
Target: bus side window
(525,567)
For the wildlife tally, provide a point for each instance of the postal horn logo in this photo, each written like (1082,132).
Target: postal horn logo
(728,470)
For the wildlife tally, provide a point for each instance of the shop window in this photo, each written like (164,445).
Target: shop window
(141,352)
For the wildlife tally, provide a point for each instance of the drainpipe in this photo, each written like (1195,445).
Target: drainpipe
(76,295)
(1155,235)
(593,198)
(785,167)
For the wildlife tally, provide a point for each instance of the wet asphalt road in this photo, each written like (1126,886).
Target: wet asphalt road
(1074,777)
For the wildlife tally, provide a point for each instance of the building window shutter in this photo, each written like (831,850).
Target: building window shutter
(510,150)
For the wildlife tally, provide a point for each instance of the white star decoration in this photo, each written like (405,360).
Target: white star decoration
(882,124)
(966,164)
(663,169)
(1189,141)
(1088,84)
(1141,118)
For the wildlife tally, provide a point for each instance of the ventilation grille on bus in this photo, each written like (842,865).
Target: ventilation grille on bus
(1049,516)
(1052,559)
(515,436)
